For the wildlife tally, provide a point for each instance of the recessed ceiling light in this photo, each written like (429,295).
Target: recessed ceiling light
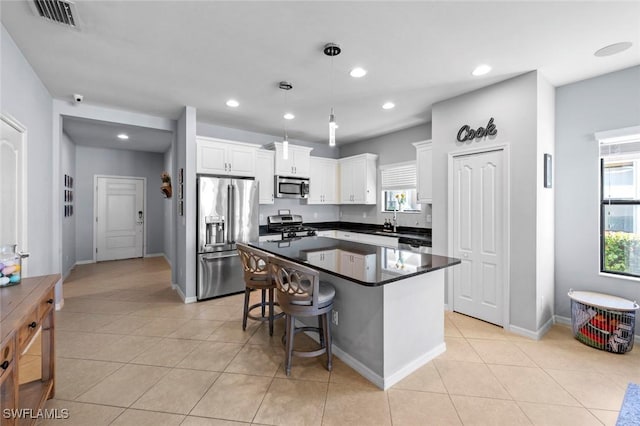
(388,105)
(358,72)
(612,49)
(481,70)
(289,116)
(123,136)
(233,103)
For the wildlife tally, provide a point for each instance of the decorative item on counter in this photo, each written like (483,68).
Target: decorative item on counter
(166,185)
(10,265)
(401,199)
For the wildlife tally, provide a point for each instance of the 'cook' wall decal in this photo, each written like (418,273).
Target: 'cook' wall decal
(466,133)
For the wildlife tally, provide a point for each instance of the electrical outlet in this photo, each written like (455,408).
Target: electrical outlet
(334,317)
(364,214)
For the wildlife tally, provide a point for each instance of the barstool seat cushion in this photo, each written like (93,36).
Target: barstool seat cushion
(326,293)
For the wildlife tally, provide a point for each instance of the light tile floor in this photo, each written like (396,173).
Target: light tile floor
(130,353)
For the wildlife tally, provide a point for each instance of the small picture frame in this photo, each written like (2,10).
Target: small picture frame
(548,171)
(180,193)
(66,181)
(181,176)
(66,210)
(70,196)
(180,208)
(70,182)
(71,210)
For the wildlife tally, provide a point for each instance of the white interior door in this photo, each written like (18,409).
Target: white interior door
(119,218)
(478,231)
(12,185)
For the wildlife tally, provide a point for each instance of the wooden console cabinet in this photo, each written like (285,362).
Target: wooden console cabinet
(26,320)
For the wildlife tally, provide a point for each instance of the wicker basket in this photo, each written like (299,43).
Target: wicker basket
(603,321)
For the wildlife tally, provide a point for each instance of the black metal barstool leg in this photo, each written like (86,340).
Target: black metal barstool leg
(245,312)
(289,346)
(327,339)
(271,312)
(321,330)
(264,301)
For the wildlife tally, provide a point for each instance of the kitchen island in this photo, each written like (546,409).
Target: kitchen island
(388,315)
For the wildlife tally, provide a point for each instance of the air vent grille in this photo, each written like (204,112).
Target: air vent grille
(62,12)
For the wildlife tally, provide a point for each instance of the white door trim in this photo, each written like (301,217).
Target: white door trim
(9,120)
(507,222)
(95,210)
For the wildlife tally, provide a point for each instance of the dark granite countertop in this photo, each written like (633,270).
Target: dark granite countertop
(381,265)
(421,234)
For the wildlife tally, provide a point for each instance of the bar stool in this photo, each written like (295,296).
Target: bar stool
(257,277)
(302,294)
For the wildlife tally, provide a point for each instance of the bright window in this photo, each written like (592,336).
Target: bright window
(620,204)
(398,183)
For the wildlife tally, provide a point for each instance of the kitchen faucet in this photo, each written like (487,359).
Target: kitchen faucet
(395,217)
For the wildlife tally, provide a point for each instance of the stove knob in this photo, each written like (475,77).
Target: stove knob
(311,233)
(291,235)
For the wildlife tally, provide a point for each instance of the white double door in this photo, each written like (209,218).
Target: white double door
(119,218)
(479,216)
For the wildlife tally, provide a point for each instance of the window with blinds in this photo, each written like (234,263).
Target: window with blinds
(620,203)
(398,184)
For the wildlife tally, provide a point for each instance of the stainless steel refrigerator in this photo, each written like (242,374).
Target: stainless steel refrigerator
(227,213)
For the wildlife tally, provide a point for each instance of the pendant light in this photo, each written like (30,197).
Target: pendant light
(332,49)
(285,86)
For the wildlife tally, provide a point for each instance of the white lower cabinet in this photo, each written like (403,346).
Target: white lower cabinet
(358,266)
(326,259)
(273,237)
(330,233)
(264,175)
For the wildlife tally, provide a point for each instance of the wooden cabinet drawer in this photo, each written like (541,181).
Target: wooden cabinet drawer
(45,305)
(7,354)
(27,329)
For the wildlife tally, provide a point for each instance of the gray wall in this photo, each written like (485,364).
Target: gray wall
(24,97)
(608,102)
(68,167)
(116,162)
(391,148)
(168,204)
(513,104)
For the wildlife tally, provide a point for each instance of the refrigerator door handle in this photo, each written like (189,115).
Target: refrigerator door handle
(211,259)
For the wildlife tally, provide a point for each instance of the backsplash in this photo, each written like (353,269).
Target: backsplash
(373,215)
(309,213)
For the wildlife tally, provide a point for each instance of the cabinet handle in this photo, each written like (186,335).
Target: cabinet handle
(33,324)
(50,301)
(5,365)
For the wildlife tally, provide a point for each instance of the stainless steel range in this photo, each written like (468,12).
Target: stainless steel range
(289,225)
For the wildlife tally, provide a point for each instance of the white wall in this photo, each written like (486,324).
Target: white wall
(391,148)
(92,161)
(68,167)
(513,104)
(607,102)
(545,220)
(25,98)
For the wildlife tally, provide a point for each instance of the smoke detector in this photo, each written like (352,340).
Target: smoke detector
(59,11)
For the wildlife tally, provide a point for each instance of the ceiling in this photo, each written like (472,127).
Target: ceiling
(103,134)
(157,56)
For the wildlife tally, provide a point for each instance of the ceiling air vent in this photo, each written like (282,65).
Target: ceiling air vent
(62,12)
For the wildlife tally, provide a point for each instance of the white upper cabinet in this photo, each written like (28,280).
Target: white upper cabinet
(264,174)
(222,157)
(424,166)
(358,179)
(297,163)
(323,181)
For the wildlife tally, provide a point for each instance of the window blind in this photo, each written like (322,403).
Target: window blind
(398,176)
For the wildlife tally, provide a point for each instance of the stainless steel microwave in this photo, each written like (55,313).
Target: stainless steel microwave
(291,187)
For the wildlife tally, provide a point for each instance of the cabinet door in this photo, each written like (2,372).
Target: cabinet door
(346,182)
(359,267)
(424,165)
(346,263)
(329,260)
(359,180)
(284,167)
(330,189)
(316,181)
(211,157)
(264,175)
(301,162)
(241,160)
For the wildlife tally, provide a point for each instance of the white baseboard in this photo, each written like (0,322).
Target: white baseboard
(167,260)
(535,335)
(184,298)
(414,365)
(154,255)
(447,307)
(84,262)
(60,305)
(371,375)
